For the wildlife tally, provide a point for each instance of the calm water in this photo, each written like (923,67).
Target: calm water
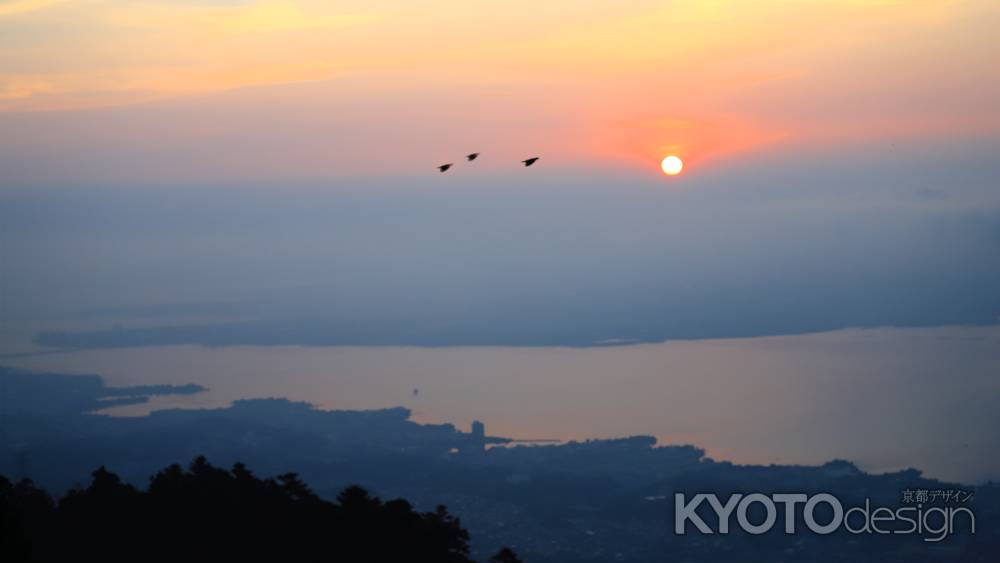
(886,398)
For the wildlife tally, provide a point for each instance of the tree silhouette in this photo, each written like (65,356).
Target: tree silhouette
(206,513)
(505,555)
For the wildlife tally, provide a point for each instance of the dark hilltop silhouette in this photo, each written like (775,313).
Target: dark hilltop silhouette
(209,514)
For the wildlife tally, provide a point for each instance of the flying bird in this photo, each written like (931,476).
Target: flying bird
(471,157)
(530,161)
(444,167)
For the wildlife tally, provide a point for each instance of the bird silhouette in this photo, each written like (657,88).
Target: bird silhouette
(444,167)
(530,161)
(471,157)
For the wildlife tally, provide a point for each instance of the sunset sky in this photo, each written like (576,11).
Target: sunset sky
(272,166)
(220,90)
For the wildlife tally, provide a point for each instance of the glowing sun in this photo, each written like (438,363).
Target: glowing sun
(672,165)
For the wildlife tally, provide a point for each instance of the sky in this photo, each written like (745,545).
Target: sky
(257,172)
(218,90)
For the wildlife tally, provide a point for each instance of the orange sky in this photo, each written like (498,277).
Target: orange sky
(587,81)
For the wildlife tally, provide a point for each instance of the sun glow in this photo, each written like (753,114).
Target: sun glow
(672,165)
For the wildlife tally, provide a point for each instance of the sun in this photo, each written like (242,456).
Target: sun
(672,165)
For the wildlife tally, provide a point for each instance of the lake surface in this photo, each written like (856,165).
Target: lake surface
(883,398)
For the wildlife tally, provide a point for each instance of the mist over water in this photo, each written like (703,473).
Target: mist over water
(350,294)
(884,398)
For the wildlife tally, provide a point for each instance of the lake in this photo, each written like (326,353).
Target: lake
(883,398)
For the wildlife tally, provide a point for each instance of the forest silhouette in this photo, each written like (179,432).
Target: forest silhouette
(206,513)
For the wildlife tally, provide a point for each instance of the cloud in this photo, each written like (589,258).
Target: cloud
(19,87)
(601,62)
(222,19)
(14,7)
